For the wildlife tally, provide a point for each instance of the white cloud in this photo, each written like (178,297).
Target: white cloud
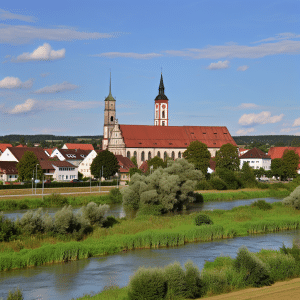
(34,106)
(280,36)
(244,131)
(239,51)
(6,15)
(128,55)
(25,34)
(42,53)
(57,88)
(219,65)
(248,106)
(262,118)
(243,68)
(15,83)
(296,122)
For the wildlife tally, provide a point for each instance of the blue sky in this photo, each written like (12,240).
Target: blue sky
(224,63)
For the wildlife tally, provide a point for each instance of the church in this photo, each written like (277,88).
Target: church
(146,141)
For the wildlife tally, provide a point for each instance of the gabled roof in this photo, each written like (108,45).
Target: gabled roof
(74,154)
(8,167)
(277,152)
(79,146)
(48,165)
(144,166)
(49,150)
(125,164)
(4,146)
(21,146)
(146,136)
(255,153)
(19,152)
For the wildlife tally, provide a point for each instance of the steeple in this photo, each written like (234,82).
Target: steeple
(110,97)
(161,90)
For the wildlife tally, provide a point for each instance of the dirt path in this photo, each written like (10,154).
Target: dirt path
(285,290)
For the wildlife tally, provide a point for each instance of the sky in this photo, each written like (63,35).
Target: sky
(224,63)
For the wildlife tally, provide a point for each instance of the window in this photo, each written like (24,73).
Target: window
(143,156)
(165,155)
(135,154)
(163,123)
(156,115)
(63,177)
(173,155)
(66,177)
(128,154)
(111,118)
(149,155)
(158,154)
(163,114)
(179,154)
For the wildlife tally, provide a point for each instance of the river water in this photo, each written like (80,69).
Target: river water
(74,279)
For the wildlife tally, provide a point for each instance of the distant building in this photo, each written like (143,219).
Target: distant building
(8,171)
(3,147)
(256,159)
(78,146)
(73,156)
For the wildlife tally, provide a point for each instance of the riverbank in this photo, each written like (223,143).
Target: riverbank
(152,232)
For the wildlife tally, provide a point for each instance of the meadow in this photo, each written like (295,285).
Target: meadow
(149,232)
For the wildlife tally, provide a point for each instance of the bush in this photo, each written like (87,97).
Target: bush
(110,222)
(203,185)
(8,230)
(256,273)
(15,295)
(218,184)
(262,204)
(55,200)
(293,199)
(229,177)
(193,283)
(115,195)
(198,197)
(32,222)
(202,219)
(94,213)
(147,284)
(176,283)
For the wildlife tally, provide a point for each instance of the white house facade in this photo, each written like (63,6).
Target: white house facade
(256,159)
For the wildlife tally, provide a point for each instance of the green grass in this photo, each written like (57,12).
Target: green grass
(156,232)
(112,293)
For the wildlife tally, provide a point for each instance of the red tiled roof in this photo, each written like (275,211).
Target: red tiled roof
(255,153)
(8,167)
(49,150)
(277,152)
(21,146)
(48,165)
(144,167)
(4,146)
(125,164)
(146,136)
(80,146)
(19,152)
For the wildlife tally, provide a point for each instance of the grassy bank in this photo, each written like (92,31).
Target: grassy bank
(156,232)
(236,195)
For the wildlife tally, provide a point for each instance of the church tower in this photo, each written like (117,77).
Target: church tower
(109,117)
(161,106)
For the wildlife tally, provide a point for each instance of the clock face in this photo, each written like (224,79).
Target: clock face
(163,106)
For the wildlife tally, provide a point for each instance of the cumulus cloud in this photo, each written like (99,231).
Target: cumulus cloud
(57,88)
(25,34)
(42,53)
(128,55)
(248,106)
(219,65)
(15,83)
(244,131)
(243,68)
(296,122)
(33,106)
(6,15)
(262,118)
(239,51)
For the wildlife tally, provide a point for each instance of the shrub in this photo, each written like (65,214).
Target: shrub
(229,177)
(204,185)
(175,277)
(262,204)
(15,295)
(214,282)
(8,230)
(65,221)
(193,283)
(94,213)
(202,219)
(147,284)
(55,200)
(256,273)
(198,197)
(115,195)
(32,222)
(293,199)
(218,184)
(110,221)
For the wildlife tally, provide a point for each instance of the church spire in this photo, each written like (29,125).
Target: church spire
(110,96)
(161,88)
(110,84)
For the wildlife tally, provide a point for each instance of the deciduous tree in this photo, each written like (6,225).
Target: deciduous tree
(228,157)
(290,163)
(156,162)
(28,165)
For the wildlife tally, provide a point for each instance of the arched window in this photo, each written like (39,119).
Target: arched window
(143,156)
(111,118)
(163,114)
(158,154)
(165,155)
(173,155)
(135,154)
(128,154)
(149,155)
(179,154)
(156,114)
(163,123)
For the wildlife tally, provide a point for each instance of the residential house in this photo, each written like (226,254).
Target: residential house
(125,165)
(78,146)
(73,156)
(85,165)
(256,159)
(3,147)
(8,171)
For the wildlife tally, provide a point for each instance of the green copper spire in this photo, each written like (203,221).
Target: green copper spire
(110,97)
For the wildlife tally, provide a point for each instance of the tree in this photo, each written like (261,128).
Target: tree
(164,190)
(22,140)
(133,159)
(28,165)
(290,163)
(29,144)
(156,162)
(132,171)
(247,175)
(109,162)
(277,167)
(228,157)
(259,172)
(198,154)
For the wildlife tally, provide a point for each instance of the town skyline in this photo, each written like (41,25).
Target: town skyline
(224,64)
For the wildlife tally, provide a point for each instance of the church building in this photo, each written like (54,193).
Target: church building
(146,141)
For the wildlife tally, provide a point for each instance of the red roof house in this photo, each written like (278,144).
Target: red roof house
(4,146)
(277,152)
(78,146)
